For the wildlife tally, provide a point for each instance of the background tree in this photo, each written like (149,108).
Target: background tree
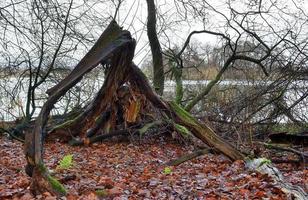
(157,58)
(39,41)
(246,45)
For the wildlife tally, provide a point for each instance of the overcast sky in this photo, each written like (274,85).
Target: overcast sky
(133,14)
(171,27)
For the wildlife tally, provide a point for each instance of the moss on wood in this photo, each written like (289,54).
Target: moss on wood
(182,130)
(56,185)
(183,113)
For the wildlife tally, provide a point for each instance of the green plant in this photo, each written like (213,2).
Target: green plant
(264,161)
(66,162)
(101,193)
(167,170)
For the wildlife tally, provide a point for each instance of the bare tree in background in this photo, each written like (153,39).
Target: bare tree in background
(40,40)
(277,51)
(247,42)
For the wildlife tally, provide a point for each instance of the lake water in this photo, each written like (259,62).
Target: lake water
(13,99)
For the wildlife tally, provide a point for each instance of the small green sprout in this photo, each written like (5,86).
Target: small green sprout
(167,170)
(264,161)
(66,162)
(101,193)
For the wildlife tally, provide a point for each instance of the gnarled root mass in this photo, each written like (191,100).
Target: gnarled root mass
(125,104)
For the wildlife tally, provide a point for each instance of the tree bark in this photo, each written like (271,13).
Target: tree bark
(157,57)
(182,117)
(114,43)
(188,157)
(118,46)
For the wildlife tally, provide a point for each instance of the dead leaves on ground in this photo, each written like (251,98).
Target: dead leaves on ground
(137,171)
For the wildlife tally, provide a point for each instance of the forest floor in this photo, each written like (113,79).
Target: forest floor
(136,170)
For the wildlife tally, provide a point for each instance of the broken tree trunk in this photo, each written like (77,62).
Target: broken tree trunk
(114,48)
(114,44)
(182,117)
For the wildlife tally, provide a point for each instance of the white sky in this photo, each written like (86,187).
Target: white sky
(133,16)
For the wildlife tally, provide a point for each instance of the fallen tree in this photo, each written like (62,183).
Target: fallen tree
(124,104)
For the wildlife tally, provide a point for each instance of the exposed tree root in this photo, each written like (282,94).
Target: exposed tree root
(182,117)
(124,101)
(98,138)
(188,157)
(293,161)
(123,132)
(114,43)
(45,182)
(264,166)
(303,156)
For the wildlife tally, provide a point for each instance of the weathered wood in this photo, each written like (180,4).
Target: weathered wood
(116,76)
(139,80)
(124,132)
(204,133)
(115,47)
(99,122)
(188,157)
(109,45)
(284,137)
(98,138)
(180,116)
(264,166)
(303,156)
(102,50)
(45,182)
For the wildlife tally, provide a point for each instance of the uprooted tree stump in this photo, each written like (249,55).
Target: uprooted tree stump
(125,104)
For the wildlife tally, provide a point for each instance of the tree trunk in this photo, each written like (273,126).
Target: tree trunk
(117,46)
(182,117)
(113,43)
(157,57)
